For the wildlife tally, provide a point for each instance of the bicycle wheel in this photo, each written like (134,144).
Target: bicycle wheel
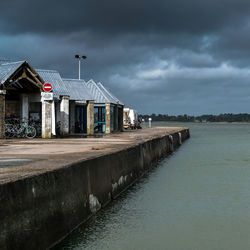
(30,132)
(9,131)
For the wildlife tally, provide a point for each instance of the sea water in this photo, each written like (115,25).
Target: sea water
(197,198)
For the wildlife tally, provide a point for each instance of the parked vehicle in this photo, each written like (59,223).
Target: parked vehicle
(131,119)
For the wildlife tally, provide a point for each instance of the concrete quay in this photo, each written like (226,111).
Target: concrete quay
(49,187)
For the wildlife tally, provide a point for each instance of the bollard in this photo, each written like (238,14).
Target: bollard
(171,143)
(149,122)
(179,138)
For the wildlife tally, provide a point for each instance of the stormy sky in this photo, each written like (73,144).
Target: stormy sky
(158,56)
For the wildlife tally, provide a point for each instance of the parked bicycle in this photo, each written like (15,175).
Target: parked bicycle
(9,131)
(37,125)
(20,129)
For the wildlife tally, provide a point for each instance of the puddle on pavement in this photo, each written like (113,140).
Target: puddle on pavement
(13,162)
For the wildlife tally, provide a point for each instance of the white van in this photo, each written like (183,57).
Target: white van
(130,119)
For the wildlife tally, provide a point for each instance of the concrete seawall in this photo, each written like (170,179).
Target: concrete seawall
(38,210)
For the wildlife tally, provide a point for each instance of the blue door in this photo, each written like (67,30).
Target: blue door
(100,119)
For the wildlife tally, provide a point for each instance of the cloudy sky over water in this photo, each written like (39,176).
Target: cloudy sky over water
(159,56)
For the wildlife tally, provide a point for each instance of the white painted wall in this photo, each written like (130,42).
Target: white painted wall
(64,110)
(53,118)
(24,106)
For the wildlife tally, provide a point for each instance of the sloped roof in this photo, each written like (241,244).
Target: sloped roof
(4,60)
(7,69)
(101,94)
(78,90)
(96,93)
(108,94)
(53,77)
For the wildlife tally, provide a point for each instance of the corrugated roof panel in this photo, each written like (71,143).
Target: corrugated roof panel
(96,92)
(7,69)
(109,95)
(78,90)
(3,60)
(53,77)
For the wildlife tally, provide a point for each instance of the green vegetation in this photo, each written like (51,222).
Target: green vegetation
(202,118)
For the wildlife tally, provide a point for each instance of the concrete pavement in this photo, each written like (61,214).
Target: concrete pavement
(22,158)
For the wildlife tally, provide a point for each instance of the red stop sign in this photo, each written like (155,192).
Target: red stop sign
(47,87)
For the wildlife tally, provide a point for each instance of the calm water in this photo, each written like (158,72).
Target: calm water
(199,198)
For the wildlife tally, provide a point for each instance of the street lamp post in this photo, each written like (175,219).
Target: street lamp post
(79,58)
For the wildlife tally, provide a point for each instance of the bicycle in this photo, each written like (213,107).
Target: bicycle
(19,129)
(9,131)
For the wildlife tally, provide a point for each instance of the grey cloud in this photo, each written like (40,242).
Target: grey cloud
(124,39)
(114,16)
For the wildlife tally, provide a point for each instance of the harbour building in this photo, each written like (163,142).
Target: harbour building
(72,107)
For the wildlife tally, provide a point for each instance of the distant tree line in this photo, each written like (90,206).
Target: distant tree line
(203,118)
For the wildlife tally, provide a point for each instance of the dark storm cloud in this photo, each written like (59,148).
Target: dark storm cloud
(157,56)
(193,16)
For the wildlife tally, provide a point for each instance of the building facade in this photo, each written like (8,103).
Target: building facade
(73,107)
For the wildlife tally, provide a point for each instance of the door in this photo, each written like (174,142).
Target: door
(100,119)
(81,119)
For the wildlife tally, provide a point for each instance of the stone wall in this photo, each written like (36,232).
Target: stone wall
(90,117)
(46,119)
(64,113)
(107,131)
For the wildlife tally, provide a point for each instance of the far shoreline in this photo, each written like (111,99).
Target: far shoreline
(200,122)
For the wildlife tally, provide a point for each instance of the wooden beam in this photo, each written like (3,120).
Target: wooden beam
(35,83)
(6,84)
(35,76)
(35,73)
(24,75)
